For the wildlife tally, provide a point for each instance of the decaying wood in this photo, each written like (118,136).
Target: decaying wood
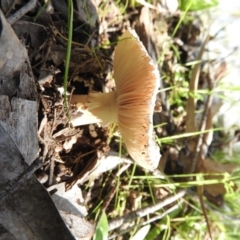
(28,212)
(5,234)
(19,119)
(12,185)
(26,209)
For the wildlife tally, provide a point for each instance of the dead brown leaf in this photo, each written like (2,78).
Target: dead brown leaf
(210,167)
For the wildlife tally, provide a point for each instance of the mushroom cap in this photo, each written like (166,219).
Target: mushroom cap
(137,81)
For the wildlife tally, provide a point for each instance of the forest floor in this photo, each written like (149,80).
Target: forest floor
(192,197)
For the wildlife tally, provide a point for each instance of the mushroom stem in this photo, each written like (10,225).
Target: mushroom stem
(96,107)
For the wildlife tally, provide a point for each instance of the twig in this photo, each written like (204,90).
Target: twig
(123,169)
(14,184)
(200,190)
(117,222)
(22,11)
(205,116)
(51,171)
(114,189)
(52,160)
(48,43)
(169,210)
(45,147)
(54,122)
(191,125)
(204,119)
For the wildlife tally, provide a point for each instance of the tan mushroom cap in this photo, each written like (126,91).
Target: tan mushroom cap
(137,82)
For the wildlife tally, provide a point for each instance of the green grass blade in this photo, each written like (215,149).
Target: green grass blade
(68,54)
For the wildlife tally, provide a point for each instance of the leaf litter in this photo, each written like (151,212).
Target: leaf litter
(82,156)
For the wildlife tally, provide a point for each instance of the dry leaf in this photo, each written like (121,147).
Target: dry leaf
(209,166)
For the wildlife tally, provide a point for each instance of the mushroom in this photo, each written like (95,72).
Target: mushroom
(132,104)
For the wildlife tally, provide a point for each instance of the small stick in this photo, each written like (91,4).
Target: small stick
(114,189)
(51,171)
(200,138)
(117,222)
(197,152)
(193,84)
(22,11)
(171,209)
